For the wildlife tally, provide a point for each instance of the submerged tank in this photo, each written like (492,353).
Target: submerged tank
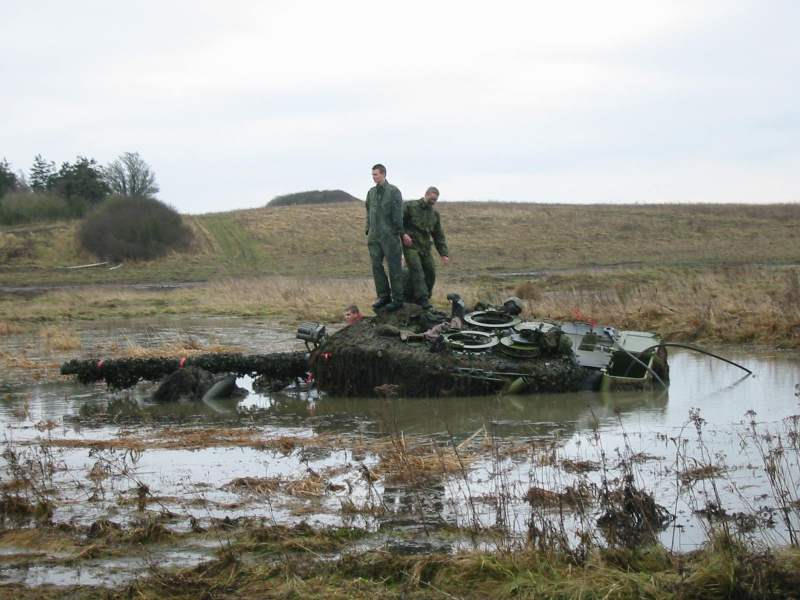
(413,352)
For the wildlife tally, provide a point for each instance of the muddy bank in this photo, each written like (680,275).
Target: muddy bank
(257,560)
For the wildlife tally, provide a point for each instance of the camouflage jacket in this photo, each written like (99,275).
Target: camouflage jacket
(421,221)
(384,211)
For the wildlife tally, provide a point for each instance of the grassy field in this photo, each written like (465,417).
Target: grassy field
(484,238)
(722,273)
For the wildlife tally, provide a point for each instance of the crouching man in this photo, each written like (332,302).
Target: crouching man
(421,224)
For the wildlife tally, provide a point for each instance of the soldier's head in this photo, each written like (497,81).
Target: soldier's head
(352,314)
(378,173)
(431,196)
(512,305)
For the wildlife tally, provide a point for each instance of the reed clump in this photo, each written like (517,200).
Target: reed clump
(646,572)
(59,338)
(187,346)
(571,497)
(405,461)
(10,328)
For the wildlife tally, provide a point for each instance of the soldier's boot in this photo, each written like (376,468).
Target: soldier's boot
(425,303)
(394,305)
(381,302)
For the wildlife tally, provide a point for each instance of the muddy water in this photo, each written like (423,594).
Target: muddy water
(650,432)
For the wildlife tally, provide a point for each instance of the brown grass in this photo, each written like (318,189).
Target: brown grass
(183,347)
(484,237)
(261,486)
(27,368)
(415,461)
(570,497)
(489,236)
(10,328)
(702,472)
(731,305)
(711,273)
(198,438)
(56,337)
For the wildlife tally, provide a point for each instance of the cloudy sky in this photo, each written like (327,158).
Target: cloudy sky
(232,103)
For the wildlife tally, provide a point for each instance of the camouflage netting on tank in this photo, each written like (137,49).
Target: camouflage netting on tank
(126,372)
(358,359)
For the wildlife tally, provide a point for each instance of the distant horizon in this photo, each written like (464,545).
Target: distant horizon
(493,201)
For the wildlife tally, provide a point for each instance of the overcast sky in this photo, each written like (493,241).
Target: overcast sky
(232,103)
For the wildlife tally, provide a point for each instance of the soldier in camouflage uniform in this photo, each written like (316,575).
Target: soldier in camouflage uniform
(384,228)
(421,222)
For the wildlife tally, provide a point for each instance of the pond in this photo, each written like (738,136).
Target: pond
(716,449)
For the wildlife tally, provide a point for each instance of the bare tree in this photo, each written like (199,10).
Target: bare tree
(130,176)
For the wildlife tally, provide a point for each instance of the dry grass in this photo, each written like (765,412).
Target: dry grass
(18,361)
(325,240)
(484,237)
(260,486)
(405,460)
(730,305)
(182,347)
(714,273)
(570,497)
(17,365)
(198,438)
(741,305)
(10,328)
(702,472)
(579,466)
(55,337)
(297,298)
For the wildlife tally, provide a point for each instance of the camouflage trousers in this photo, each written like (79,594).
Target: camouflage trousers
(389,248)
(421,273)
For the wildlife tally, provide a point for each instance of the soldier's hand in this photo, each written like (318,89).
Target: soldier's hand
(445,260)
(407,240)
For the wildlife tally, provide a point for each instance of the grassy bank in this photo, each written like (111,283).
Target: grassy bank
(746,304)
(278,562)
(704,273)
(484,239)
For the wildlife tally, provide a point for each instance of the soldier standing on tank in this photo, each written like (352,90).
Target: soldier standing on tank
(384,228)
(421,222)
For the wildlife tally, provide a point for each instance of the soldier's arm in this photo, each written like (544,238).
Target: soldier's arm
(397,212)
(366,205)
(407,224)
(406,216)
(438,237)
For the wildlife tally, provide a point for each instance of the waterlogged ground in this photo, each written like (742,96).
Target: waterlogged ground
(123,484)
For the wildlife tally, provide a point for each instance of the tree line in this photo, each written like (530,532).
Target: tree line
(123,219)
(71,190)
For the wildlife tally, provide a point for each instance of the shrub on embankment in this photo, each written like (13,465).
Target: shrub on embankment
(18,208)
(134,229)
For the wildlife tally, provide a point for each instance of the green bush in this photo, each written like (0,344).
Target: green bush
(26,207)
(134,229)
(313,197)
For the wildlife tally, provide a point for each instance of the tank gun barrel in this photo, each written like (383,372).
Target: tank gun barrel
(123,373)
